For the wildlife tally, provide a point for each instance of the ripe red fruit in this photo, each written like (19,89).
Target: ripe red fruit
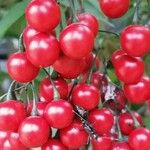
(59,114)
(69,68)
(10,141)
(43,50)
(34,132)
(43,15)
(126,122)
(20,68)
(114,8)
(120,146)
(40,108)
(90,21)
(126,65)
(74,136)
(135,40)
(28,34)
(116,54)
(12,114)
(138,93)
(53,144)
(102,142)
(139,139)
(86,96)
(76,41)
(102,120)
(46,88)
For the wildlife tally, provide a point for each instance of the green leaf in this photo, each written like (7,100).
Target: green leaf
(16,12)
(147,121)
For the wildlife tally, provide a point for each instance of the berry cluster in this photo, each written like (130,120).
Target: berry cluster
(76,100)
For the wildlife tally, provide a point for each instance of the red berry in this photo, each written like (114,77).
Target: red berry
(126,122)
(59,114)
(86,96)
(20,68)
(120,146)
(43,15)
(139,139)
(127,65)
(114,8)
(74,136)
(46,88)
(138,93)
(69,68)
(34,132)
(28,34)
(54,144)
(12,114)
(102,120)
(135,40)
(102,142)
(43,50)
(90,21)
(72,39)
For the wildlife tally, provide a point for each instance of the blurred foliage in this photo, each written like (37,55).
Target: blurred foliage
(12,23)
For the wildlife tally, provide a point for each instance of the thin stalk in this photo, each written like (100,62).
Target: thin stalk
(92,68)
(81,10)
(11,93)
(136,123)
(56,93)
(120,137)
(20,43)
(72,7)
(109,32)
(136,14)
(34,108)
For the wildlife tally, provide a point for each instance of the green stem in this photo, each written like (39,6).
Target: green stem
(21,44)
(120,137)
(109,32)
(11,93)
(81,6)
(136,123)
(56,93)
(72,7)
(136,14)
(92,68)
(34,111)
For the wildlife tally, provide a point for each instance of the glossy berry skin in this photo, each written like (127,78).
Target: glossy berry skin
(34,132)
(126,122)
(43,50)
(138,93)
(135,40)
(72,39)
(74,136)
(20,68)
(114,8)
(46,89)
(90,21)
(40,108)
(120,146)
(12,113)
(85,96)
(10,141)
(102,142)
(28,34)
(127,65)
(43,15)
(53,144)
(102,120)
(139,139)
(59,114)
(69,68)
